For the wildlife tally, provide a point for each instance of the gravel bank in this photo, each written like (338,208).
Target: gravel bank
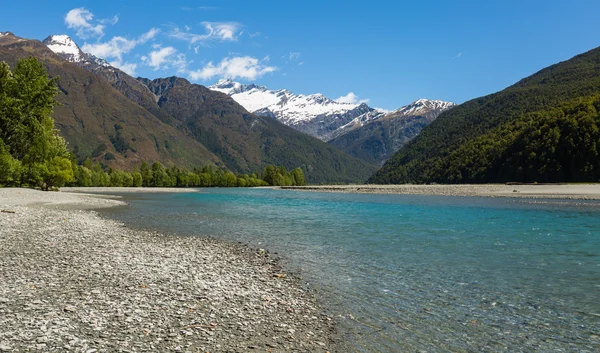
(73,281)
(106,190)
(551,191)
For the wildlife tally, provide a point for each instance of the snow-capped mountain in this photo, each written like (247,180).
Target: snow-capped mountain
(312,114)
(422,106)
(316,114)
(63,45)
(377,140)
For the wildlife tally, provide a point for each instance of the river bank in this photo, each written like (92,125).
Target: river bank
(72,280)
(550,191)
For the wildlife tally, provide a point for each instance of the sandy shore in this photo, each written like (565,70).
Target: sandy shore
(553,191)
(73,281)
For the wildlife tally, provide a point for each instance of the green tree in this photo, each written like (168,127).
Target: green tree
(136,179)
(159,175)
(146,173)
(298,177)
(10,168)
(27,100)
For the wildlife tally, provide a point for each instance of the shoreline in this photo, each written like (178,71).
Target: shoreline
(542,191)
(75,281)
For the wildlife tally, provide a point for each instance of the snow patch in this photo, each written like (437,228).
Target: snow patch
(289,107)
(63,44)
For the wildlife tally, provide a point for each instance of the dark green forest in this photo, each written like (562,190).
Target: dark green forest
(556,145)
(443,151)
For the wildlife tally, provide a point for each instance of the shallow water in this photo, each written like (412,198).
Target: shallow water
(417,273)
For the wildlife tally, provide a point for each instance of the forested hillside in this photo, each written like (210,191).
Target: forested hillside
(442,151)
(559,144)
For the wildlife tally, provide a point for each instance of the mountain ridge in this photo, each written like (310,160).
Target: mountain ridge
(313,114)
(377,140)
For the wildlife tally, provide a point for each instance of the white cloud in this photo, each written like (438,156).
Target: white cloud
(80,20)
(117,46)
(233,67)
(157,58)
(164,58)
(128,68)
(220,31)
(457,55)
(110,21)
(151,34)
(294,56)
(351,98)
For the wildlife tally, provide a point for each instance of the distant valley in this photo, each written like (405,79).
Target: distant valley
(373,134)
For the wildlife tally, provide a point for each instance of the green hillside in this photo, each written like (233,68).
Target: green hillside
(559,144)
(442,151)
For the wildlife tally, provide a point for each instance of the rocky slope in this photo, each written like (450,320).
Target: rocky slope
(377,140)
(313,114)
(372,135)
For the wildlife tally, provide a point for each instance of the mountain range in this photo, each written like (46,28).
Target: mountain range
(118,120)
(375,133)
(544,128)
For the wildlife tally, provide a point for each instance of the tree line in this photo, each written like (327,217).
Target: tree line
(33,154)
(157,175)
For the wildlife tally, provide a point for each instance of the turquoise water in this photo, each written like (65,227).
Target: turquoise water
(416,273)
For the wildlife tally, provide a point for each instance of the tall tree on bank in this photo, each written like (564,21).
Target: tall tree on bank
(31,151)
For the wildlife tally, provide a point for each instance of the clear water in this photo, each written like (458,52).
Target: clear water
(417,273)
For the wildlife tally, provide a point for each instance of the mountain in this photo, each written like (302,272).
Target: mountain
(131,88)
(377,140)
(372,135)
(313,114)
(246,142)
(100,122)
(543,128)
(119,120)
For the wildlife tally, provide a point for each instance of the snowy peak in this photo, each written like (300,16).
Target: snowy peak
(423,106)
(230,87)
(288,107)
(64,46)
(314,114)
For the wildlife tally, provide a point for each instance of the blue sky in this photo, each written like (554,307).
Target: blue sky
(389,53)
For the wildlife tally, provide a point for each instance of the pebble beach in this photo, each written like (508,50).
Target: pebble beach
(531,191)
(73,281)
